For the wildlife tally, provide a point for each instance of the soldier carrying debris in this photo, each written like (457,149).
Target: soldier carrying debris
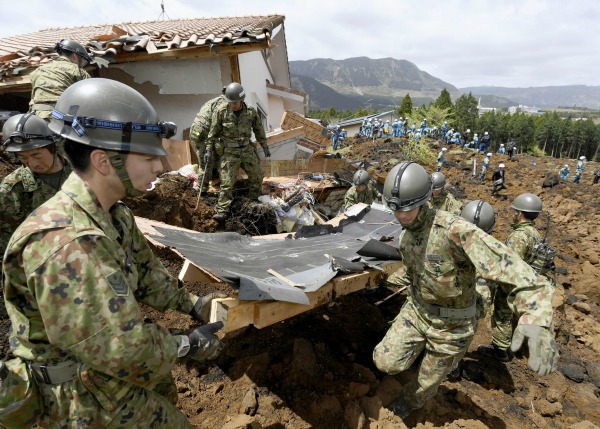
(441,199)
(443,255)
(77,269)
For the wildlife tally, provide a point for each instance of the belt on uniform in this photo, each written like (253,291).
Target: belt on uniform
(54,373)
(447,312)
(41,107)
(242,143)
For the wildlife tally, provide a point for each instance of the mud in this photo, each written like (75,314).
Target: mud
(315,370)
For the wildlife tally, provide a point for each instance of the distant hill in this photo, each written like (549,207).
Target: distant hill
(376,82)
(321,96)
(543,96)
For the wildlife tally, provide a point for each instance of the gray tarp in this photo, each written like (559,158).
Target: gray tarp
(309,262)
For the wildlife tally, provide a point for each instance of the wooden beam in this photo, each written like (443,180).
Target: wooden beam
(193,273)
(235,68)
(236,314)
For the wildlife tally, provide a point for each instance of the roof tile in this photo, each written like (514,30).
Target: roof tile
(27,51)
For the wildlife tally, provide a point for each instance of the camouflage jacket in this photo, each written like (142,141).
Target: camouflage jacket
(202,121)
(50,80)
(21,192)
(523,239)
(446,202)
(234,129)
(73,278)
(352,196)
(443,255)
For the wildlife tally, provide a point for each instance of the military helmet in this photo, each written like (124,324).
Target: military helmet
(480,213)
(361,178)
(110,115)
(527,203)
(439,180)
(234,92)
(76,48)
(407,186)
(26,132)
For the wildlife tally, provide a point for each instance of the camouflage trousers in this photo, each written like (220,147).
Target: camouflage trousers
(490,295)
(231,161)
(94,402)
(442,342)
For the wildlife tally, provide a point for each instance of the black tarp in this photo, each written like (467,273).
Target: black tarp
(308,262)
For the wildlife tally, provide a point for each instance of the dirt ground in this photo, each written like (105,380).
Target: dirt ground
(316,371)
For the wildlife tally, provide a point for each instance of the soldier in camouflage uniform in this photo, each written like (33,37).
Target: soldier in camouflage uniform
(50,80)
(199,132)
(41,175)
(76,270)
(522,240)
(443,254)
(441,199)
(233,125)
(362,190)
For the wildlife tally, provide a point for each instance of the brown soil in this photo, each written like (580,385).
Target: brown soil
(316,371)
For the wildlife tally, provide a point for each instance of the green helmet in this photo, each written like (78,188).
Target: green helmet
(481,214)
(73,47)
(110,115)
(234,92)
(438,179)
(26,132)
(527,203)
(407,186)
(361,178)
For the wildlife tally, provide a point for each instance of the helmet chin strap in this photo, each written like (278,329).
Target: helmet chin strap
(118,162)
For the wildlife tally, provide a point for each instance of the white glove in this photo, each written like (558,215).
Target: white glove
(543,351)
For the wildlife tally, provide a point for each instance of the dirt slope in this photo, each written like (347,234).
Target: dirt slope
(315,370)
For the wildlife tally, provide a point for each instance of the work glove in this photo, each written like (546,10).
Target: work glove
(543,351)
(267,152)
(201,310)
(204,344)
(206,158)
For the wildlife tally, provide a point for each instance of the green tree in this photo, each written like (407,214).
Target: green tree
(406,106)
(466,112)
(444,101)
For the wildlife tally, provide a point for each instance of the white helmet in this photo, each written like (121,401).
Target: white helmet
(489,154)
(582,158)
(445,122)
(444,149)
(485,134)
(501,144)
(468,130)
(475,134)
(501,166)
(567,165)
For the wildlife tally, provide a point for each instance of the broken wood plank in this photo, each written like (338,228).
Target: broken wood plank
(236,314)
(192,273)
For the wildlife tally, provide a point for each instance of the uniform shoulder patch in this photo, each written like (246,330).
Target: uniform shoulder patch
(117,282)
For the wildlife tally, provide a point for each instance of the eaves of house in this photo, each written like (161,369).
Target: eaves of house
(134,42)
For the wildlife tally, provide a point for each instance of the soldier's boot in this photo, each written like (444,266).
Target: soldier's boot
(493,352)
(400,407)
(455,374)
(221,216)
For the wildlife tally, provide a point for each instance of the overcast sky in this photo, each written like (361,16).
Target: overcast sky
(515,43)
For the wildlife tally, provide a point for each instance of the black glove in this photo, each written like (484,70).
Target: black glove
(204,344)
(201,311)
(206,158)
(267,152)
